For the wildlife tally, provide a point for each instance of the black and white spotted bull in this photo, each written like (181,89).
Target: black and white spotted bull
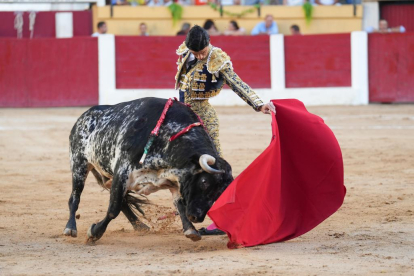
(109,142)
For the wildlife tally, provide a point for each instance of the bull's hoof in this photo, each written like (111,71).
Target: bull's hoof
(91,238)
(192,234)
(70,232)
(141,227)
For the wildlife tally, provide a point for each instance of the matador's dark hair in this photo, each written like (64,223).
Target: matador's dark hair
(197,39)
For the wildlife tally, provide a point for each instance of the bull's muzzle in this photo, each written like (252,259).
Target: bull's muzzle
(195,219)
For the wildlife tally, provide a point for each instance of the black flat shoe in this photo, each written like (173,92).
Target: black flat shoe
(204,232)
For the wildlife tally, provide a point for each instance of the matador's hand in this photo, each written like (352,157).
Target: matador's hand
(267,108)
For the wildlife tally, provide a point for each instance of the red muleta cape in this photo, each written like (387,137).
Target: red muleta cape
(294,185)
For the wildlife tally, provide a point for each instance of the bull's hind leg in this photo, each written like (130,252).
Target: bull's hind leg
(133,219)
(118,190)
(79,173)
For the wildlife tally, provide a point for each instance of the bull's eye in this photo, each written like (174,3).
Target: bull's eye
(204,184)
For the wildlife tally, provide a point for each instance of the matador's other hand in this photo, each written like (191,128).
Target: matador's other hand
(267,108)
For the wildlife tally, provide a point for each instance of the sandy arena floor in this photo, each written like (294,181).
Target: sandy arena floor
(373,232)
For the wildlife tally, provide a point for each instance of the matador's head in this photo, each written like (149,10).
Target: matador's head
(197,39)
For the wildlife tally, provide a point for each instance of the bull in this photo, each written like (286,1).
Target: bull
(109,140)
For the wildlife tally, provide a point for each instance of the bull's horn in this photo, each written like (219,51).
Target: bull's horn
(205,162)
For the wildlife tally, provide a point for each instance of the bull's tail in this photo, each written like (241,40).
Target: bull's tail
(134,202)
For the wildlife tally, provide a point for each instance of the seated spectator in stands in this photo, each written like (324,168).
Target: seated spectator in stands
(119,2)
(184,29)
(294,30)
(358,2)
(143,29)
(211,28)
(294,2)
(267,27)
(155,3)
(231,2)
(253,2)
(234,29)
(102,29)
(383,28)
(327,2)
(200,2)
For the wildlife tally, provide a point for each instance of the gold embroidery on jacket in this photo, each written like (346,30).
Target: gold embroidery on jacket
(241,88)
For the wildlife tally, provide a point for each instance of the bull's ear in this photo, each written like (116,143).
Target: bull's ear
(223,165)
(195,160)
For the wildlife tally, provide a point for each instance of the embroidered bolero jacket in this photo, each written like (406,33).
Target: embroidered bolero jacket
(206,79)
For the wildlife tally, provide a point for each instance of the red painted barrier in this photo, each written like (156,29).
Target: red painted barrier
(45,24)
(250,56)
(48,72)
(391,67)
(150,62)
(318,60)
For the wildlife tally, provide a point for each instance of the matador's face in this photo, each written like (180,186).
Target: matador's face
(200,54)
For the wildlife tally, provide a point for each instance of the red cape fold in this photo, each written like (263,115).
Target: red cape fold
(294,185)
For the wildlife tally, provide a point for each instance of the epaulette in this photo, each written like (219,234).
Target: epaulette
(182,49)
(216,60)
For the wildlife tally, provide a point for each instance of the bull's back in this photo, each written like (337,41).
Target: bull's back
(103,131)
(106,133)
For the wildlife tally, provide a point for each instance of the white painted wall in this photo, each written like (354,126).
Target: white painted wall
(355,95)
(44,6)
(64,24)
(106,68)
(370,17)
(359,67)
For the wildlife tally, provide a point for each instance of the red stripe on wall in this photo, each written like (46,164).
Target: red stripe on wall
(45,24)
(150,62)
(48,72)
(250,56)
(146,62)
(7,24)
(318,60)
(82,23)
(391,67)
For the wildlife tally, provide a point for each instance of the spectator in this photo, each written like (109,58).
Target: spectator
(119,2)
(155,3)
(294,2)
(252,2)
(210,27)
(327,2)
(234,29)
(267,27)
(231,2)
(383,28)
(143,29)
(102,29)
(350,2)
(294,30)
(184,29)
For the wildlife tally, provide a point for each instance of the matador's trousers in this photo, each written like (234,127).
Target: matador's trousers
(209,116)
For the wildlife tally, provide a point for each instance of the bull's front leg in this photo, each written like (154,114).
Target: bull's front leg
(188,228)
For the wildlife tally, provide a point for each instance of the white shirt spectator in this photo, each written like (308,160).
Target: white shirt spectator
(154,3)
(327,2)
(294,2)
